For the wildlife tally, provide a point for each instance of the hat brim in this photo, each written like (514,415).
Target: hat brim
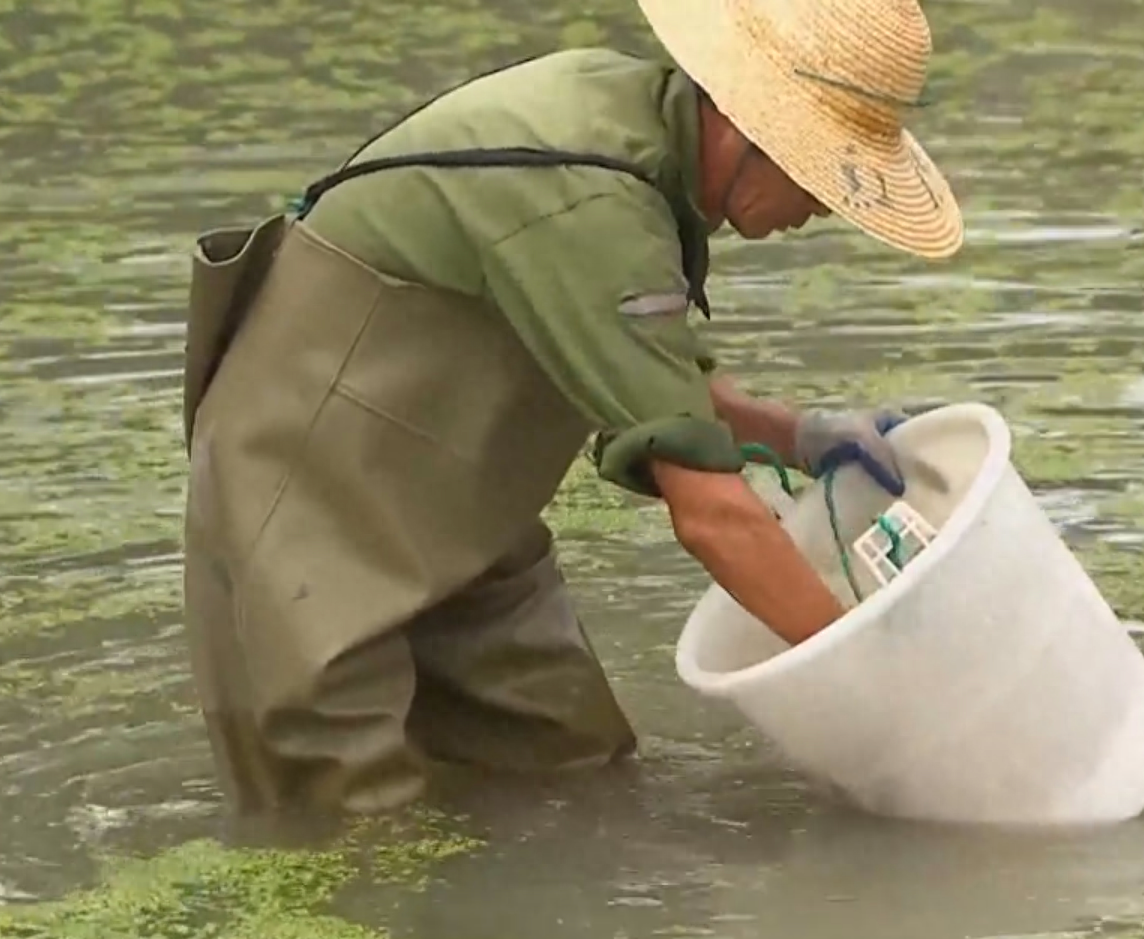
(886,186)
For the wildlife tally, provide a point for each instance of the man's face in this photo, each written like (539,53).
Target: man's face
(763,199)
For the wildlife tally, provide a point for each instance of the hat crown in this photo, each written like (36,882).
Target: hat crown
(868,58)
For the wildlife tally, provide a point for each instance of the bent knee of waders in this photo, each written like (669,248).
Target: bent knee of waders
(507,678)
(338,747)
(345,748)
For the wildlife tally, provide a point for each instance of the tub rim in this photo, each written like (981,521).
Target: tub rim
(989,475)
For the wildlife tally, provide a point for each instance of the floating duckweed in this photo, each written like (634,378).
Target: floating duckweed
(204,890)
(587,505)
(200,890)
(406,848)
(1116,572)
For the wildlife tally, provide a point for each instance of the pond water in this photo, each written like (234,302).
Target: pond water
(127,126)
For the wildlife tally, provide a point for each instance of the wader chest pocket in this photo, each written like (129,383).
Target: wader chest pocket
(228,267)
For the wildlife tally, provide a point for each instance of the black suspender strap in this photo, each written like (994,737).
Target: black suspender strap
(694,251)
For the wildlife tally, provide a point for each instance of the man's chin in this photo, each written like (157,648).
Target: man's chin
(755,233)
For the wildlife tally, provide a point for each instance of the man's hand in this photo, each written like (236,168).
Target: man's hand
(720,521)
(813,441)
(823,441)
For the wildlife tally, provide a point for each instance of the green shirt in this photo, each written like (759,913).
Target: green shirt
(585,263)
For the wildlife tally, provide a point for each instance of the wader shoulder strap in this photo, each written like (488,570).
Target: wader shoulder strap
(693,250)
(509,157)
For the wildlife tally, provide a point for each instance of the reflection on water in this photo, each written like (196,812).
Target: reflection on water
(738,853)
(128,127)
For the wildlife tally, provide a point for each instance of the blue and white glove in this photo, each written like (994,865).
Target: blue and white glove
(824,440)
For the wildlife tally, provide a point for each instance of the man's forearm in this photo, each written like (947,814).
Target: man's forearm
(727,529)
(780,588)
(753,420)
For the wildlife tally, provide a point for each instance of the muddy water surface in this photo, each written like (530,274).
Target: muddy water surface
(127,127)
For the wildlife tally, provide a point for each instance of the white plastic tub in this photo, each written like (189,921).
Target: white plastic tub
(988,683)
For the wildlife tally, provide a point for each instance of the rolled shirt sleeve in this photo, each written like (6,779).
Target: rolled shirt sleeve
(597,294)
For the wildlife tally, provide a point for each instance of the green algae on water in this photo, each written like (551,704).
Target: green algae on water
(204,890)
(407,848)
(587,506)
(200,890)
(1115,569)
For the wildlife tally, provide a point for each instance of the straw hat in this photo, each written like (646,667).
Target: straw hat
(821,86)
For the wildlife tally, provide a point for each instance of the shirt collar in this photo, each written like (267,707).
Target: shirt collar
(681,176)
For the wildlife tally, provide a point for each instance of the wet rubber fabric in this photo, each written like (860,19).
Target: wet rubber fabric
(376,421)
(367,581)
